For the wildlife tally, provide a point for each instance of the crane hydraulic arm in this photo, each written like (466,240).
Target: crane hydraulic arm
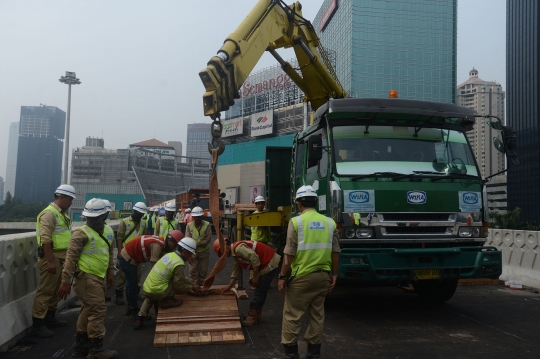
(270,25)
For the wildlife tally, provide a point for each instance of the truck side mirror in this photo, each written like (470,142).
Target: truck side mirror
(314,148)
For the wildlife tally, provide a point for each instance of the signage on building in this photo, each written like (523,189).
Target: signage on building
(262,123)
(330,10)
(255,191)
(233,127)
(280,82)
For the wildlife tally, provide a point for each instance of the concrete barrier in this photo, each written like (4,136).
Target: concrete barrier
(520,253)
(19,278)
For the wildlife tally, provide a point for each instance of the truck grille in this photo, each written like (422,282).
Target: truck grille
(415,230)
(415,217)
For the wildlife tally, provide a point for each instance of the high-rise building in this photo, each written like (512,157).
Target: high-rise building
(486,98)
(380,45)
(198,136)
(11,167)
(523,104)
(1,191)
(95,142)
(39,153)
(177,145)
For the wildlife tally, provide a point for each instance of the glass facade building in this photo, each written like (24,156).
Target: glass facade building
(523,103)
(198,137)
(381,45)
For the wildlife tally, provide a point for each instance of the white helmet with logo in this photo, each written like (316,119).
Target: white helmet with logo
(188,244)
(170,207)
(197,212)
(94,208)
(305,191)
(188,210)
(259,199)
(108,205)
(66,189)
(140,207)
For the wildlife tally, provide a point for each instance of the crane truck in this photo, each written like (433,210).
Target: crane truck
(397,176)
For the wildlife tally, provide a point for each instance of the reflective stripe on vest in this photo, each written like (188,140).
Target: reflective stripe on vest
(136,233)
(199,235)
(162,272)
(262,250)
(148,239)
(94,257)
(314,251)
(165,227)
(62,230)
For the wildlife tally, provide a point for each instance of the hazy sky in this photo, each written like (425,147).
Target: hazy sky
(138,61)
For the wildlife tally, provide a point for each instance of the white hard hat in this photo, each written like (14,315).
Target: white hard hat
(94,208)
(66,189)
(188,210)
(197,212)
(108,205)
(188,244)
(259,199)
(140,207)
(170,207)
(156,209)
(305,191)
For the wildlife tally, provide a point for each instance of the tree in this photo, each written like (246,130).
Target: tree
(8,199)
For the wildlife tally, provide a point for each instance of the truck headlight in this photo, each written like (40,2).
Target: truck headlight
(469,232)
(349,233)
(364,233)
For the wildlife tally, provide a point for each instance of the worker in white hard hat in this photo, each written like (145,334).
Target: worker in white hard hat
(311,260)
(108,207)
(201,231)
(128,229)
(53,231)
(167,278)
(187,216)
(89,266)
(167,224)
(260,233)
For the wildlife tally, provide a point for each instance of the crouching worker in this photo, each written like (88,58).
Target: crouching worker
(263,261)
(167,278)
(141,250)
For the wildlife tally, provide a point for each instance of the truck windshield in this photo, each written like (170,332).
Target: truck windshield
(404,150)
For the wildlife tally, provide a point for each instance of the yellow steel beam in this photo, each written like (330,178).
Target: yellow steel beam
(271,219)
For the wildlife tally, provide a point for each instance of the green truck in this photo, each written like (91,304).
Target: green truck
(401,182)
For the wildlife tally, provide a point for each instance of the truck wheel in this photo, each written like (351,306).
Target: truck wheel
(435,291)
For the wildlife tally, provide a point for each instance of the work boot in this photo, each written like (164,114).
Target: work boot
(52,322)
(97,351)
(119,297)
(139,321)
(313,351)
(170,302)
(40,329)
(251,318)
(259,317)
(291,351)
(81,345)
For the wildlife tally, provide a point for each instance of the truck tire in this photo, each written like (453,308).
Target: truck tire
(435,291)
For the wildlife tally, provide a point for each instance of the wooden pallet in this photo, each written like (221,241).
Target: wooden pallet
(211,319)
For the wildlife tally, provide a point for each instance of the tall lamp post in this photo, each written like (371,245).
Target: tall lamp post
(69,79)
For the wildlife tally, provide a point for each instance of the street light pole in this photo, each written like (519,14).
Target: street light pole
(69,79)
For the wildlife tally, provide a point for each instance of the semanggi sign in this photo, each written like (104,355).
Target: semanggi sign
(233,127)
(281,82)
(330,10)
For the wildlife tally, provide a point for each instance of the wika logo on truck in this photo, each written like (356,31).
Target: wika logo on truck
(262,119)
(416,197)
(470,198)
(359,197)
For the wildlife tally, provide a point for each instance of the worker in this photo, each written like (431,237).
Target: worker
(260,233)
(53,231)
(167,224)
(311,254)
(128,229)
(201,232)
(263,261)
(141,250)
(89,265)
(167,278)
(150,222)
(188,217)
(108,207)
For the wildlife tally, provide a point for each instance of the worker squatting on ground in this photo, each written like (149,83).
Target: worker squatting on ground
(167,224)
(201,231)
(141,250)
(128,229)
(53,231)
(311,254)
(89,266)
(260,233)
(263,262)
(167,278)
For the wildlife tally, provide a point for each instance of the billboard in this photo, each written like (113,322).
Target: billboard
(330,10)
(233,127)
(262,123)
(255,191)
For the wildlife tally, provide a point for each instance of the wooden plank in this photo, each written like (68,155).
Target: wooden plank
(194,315)
(238,336)
(227,337)
(217,337)
(159,340)
(212,319)
(183,338)
(194,338)
(205,298)
(171,340)
(198,327)
(206,338)
(226,304)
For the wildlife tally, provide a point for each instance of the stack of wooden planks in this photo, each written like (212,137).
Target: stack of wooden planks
(210,319)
